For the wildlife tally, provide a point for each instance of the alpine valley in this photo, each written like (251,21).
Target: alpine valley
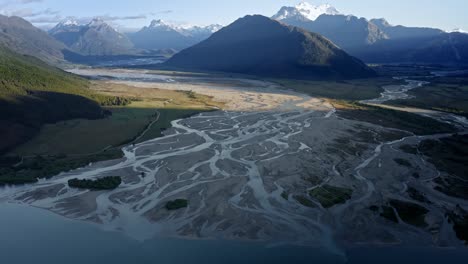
(305,136)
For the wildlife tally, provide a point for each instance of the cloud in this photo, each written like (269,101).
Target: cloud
(30,13)
(29,1)
(161,12)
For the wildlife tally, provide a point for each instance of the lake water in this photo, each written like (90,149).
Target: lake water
(29,235)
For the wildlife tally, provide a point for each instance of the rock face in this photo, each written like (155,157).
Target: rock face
(161,35)
(96,38)
(22,37)
(261,46)
(445,48)
(400,32)
(348,32)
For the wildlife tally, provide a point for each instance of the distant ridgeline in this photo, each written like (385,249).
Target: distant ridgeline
(33,93)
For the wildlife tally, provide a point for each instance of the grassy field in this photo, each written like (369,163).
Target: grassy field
(70,144)
(443,94)
(125,124)
(33,93)
(354,90)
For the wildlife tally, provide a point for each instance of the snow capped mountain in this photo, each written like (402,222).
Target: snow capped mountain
(65,26)
(166,35)
(94,38)
(187,30)
(69,22)
(305,11)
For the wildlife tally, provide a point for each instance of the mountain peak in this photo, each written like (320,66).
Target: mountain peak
(305,11)
(157,23)
(96,22)
(380,22)
(69,22)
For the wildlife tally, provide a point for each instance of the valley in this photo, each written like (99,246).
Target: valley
(200,132)
(272,165)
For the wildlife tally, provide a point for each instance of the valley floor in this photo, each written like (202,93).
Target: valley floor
(274,165)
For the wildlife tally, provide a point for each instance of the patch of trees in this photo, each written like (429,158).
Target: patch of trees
(106,183)
(176,204)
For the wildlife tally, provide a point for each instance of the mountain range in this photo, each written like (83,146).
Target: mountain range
(376,40)
(95,38)
(291,52)
(371,40)
(161,35)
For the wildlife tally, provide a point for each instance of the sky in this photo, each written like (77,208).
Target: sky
(125,14)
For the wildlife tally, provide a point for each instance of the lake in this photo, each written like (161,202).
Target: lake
(31,235)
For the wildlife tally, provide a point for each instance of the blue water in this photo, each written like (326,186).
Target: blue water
(29,235)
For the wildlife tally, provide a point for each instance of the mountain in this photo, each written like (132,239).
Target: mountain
(22,37)
(304,12)
(376,40)
(348,32)
(444,48)
(258,45)
(33,93)
(161,35)
(96,38)
(400,32)
(67,32)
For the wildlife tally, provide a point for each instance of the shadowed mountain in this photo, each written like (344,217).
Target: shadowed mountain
(96,38)
(22,37)
(446,48)
(348,32)
(258,45)
(159,35)
(399,32)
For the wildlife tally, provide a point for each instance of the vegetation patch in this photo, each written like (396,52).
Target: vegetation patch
(448,94)
(305,201)
(459,218)
(390,118)
(329,196)
(360,89)
(176,204)
(30,169)
(410,213)
(388,213)
(417,196)
(403,162)
(106,183)
(410,149)
(451,156)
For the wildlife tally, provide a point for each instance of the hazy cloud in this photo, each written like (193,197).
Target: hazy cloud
(30,13)
(29,1)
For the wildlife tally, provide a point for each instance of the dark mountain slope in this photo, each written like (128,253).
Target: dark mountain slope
(33,93)
(447,48)
(401,32)
(258,45)
(22,37)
